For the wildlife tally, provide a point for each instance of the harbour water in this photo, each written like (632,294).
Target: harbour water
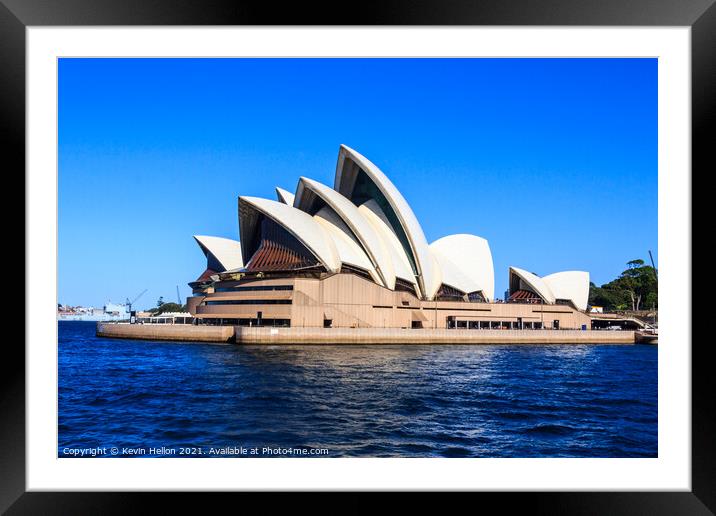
(149,399)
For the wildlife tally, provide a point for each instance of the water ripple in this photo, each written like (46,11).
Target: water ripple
(358,401)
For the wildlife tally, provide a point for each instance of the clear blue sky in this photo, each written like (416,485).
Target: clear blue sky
(554,161)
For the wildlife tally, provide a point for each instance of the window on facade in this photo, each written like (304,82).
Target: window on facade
(258,288)
(249,302)
(448,293)
(476,297)
(279,251)
(349,269)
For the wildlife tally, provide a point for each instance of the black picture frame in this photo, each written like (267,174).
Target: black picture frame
(700,15)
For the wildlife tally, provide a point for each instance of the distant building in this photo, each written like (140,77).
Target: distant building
(355,255)
(115,309)
(110,312)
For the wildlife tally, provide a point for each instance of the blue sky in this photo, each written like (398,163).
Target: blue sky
(554,161)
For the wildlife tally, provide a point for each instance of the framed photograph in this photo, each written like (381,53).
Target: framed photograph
(441,249)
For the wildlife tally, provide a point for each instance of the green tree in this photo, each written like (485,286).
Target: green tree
(639,281)
(168,307)
(607,296)
(636,287)
(160,302)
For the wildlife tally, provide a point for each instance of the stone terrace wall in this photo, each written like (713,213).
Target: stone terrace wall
(245,335)
(175,332)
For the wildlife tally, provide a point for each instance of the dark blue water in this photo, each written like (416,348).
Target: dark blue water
(387,401)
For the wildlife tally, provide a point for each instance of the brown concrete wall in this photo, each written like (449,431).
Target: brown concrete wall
(192,302)
(354,302)
(246,335)
(351,301)
(175,332)
(245,311)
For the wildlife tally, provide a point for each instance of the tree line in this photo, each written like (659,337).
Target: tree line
(636,288)
(163,307)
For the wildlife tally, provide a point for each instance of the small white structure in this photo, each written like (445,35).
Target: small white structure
(284,196)
(570,286)
(222,254)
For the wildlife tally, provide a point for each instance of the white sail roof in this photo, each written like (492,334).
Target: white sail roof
(300,224)
(284,196)
(224,250)
(427,270)
(401,266)
(453,276)
(365,222)
(356,223)
(471,255)
(349,250)
(535,283)
(570,285)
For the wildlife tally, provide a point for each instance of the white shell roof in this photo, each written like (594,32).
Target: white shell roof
(470,255)
(571,285)
(429,278)
(349,251)
(452,275)
(367,236)
(284,196)
(226,251)
(364,237)
(372,212)
(302,226)
(535,283)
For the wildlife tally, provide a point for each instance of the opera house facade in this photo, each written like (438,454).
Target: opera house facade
(355,255)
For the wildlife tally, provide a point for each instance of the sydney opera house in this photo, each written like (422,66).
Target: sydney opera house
(355,255)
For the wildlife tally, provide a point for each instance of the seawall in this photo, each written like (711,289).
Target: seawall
(325,336)
(175,332)
(269,336)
